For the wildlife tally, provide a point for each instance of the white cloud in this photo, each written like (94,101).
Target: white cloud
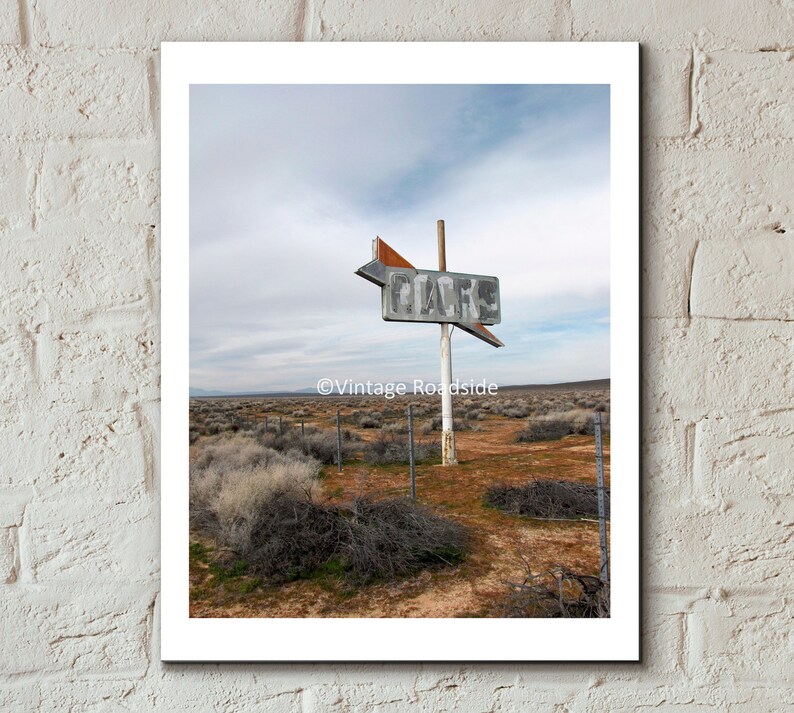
(286,194)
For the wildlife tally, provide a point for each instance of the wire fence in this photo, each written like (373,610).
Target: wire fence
(535,429)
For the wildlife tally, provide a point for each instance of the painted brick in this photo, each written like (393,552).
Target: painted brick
(116,182)
(762,698)
(78,630)
(667,273)
(748,95)
(437,20)
(79,540)
(24,455)
(714,190)
(101,358)
(72,94)
(20,696)
(76,270)
(9,555)
(18,356)
(726,636)
(13,502)
(665,92)
(716,365)
(746,456)
(62,449)
(145,24)
(667,458)
(744,279)
(730,545)
(17,176)
(249,695)
(678,23)
(89,696)
(672,698)
(93,454)
(10,33)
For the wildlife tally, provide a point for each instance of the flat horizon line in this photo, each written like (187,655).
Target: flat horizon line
(311,391)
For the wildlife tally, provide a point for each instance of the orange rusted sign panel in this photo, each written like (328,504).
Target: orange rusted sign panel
(388,255)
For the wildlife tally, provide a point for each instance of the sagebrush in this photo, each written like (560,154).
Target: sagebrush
(543,498)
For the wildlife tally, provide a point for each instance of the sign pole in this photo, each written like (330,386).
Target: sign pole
(448,454)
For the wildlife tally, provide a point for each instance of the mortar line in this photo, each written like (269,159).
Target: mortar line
(696,64)
(303,31)
(690,439)
(691,280)
(153,108)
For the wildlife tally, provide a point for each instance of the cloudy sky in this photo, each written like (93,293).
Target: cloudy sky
(290,184)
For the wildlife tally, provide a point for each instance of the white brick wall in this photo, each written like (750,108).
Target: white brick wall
(79,346)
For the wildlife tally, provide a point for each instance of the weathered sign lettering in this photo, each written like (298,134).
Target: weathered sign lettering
(428,296)
(411,295)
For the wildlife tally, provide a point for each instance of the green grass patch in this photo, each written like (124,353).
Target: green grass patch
(223,573)
(199,552)
(242,585)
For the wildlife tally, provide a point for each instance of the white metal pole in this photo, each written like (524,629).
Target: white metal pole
(448,453)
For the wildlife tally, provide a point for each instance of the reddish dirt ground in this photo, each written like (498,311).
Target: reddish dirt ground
(499,541)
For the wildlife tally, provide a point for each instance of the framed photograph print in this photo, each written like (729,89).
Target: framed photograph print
(400,359)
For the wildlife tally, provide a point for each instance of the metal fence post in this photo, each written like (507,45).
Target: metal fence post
(411,459)
(303,429)
(280,426)
(265,424)
(338,441)
(602,519)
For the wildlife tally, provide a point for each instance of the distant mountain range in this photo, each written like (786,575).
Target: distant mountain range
(206,393)
(312,390)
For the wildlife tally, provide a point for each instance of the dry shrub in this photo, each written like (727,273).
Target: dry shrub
(548,499)
(391,538)
(389,448)
(558,424)
(400,426)
(422,409)
(556,593)
(228,453)
(260,504)
(517,412)
(293,538)
(234,476)
(512,408)
(317,443)
(289,537)
(435,424)
(432,424)
(370,420)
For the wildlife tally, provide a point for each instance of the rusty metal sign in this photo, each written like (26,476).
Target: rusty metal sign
(411,295)
(429,296)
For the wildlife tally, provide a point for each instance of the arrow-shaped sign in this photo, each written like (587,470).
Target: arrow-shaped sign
(411,295)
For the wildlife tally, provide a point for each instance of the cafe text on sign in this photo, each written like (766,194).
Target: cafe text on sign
(431,296)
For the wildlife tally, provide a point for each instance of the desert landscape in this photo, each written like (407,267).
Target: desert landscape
(510,531)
